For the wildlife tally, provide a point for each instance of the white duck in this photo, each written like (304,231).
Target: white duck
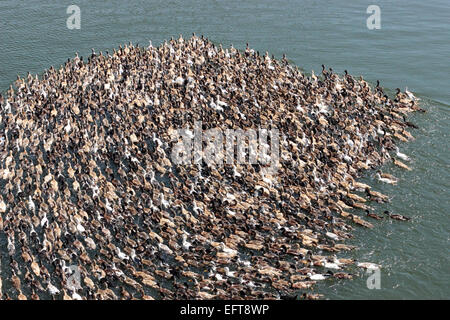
(385,180)
(401,155)
(52,289)
(411,95)
(368,265)
(186,245)
(317,276)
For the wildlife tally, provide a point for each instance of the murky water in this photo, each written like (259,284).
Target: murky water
(411,49)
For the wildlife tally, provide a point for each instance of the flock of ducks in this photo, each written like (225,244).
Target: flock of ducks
(87,180)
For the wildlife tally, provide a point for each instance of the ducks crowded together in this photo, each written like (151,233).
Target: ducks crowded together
(87,179)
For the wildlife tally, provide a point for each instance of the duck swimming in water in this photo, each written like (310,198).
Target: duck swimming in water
(401,165)
(385,179)
(401,155)
(396,216)
(411,95)
(373,215)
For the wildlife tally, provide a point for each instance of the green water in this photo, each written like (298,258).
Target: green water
(411,49)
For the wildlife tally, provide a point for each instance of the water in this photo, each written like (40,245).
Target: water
(411,49)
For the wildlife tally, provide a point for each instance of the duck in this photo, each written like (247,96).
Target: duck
(400,155)
(396,216)
(385,180)
(376,195)
(401,165)
(31,205)
(411,95)
(21,296)
(373,215)
(318,276)
(52,289)
(368,265)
